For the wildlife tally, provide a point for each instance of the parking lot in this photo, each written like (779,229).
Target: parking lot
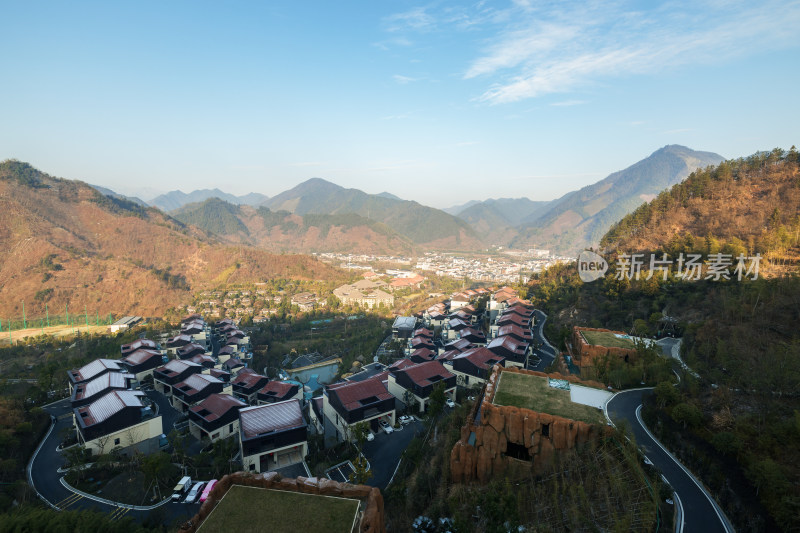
(340,472)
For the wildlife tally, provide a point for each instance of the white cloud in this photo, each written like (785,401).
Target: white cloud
(417,19)
(556,48)
(403,79)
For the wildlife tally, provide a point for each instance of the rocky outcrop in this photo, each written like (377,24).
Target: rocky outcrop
(483,451)
(585,353)
(372,518)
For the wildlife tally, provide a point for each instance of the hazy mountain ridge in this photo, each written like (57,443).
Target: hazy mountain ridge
(580,218)
(281,231)
(176,199)
(424,226)
(62,241)
(112,194)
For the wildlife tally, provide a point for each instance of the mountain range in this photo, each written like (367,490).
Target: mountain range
(383,223)
(282,231)
(177,199)
(65,242)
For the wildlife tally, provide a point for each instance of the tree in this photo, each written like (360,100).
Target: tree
(666,394)
(359,432)
(361,471)
(436,400)
(687,414)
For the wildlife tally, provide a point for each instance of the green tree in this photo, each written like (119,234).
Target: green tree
(687,414)
(436,400)
(666,394)
(361,471)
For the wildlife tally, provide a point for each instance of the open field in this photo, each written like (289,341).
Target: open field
(607,339)
(252,509)
(55,331)
(534,393)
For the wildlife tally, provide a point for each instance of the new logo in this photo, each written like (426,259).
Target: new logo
(591,266)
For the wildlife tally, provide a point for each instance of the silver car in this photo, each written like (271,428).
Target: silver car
(195,492)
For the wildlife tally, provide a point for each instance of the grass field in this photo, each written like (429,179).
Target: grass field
(534,393)
(55,331)
(251,509)
(604,338)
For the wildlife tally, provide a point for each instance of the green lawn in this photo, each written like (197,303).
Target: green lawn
(252,509)
(534,393)
(609,340)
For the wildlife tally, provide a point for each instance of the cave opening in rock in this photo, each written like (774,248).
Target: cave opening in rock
(517,451)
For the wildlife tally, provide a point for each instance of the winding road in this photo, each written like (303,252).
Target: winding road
(700,512)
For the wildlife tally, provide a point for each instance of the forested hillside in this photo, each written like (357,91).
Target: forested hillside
(64,243)
(738,424)
(424,226)
(281,231)
(748,206)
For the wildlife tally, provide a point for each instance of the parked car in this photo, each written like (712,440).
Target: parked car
(195,492)
(450,403)
(370,436)
(405,419)
(207,490)
(386,426)
(472,398)
(180,490)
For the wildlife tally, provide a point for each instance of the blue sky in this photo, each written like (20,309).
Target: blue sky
(439,102)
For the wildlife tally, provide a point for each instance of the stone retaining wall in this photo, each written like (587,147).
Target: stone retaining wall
(372,520)
(501,425)
(585,353)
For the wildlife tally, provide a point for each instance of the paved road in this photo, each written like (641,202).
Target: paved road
(46,479)
(701,514)
(385,451)
(546,353)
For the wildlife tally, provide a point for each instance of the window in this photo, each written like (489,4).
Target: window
(116,441)
(230,428)
(545,430)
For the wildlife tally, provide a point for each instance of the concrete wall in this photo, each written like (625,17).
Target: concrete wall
(141,432)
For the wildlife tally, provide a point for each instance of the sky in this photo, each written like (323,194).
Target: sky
(439,102)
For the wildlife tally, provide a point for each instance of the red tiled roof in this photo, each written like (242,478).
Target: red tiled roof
(480,357)
(421,373)
(448,355)
(508,343)
(201,358)
(424,353)
(351,394)
(217,405)
(196,383)
(247,379)
(458,345)
(280,388)
(140,356)
(513,329)
(401,364)
(424,332)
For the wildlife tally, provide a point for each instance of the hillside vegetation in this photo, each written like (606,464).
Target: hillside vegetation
(747,206)
(69,244)
(281,231)
(424,226)
(738,425)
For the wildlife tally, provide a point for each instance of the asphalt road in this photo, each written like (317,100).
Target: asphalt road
(46,479)
(385,451)
(699,512)
(546,353)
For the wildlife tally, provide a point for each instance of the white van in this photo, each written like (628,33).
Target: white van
(183,486)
